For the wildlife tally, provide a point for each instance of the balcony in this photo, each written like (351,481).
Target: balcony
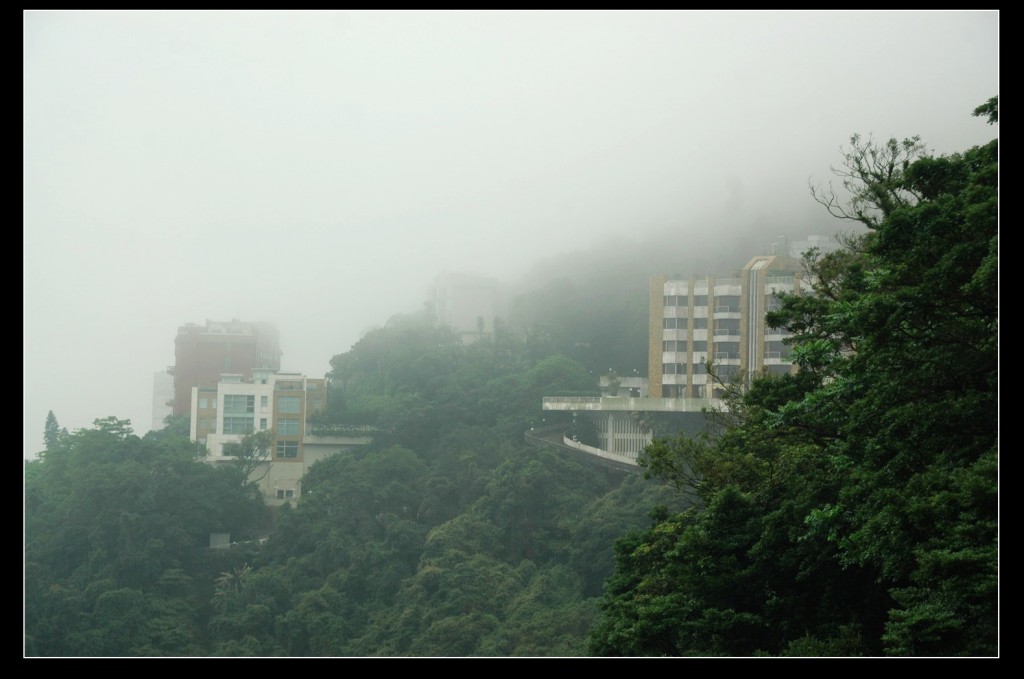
(776,358)
(623,403)
(340,429)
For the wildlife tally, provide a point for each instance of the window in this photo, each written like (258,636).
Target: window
(285,494)
(728,326)
(287,449)
(263,401)
(289,404)
(288,426)
(234,424)
(700,324)
(263,423)
(204,403)
(727,303)
(700,300)
(727,372)
(239,403)
(700,345)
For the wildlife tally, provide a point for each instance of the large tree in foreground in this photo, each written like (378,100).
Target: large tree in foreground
(850,509)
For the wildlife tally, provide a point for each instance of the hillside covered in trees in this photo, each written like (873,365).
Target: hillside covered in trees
(849,509)
(448,536)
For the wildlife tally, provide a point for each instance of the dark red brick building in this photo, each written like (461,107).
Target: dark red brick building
(203,353)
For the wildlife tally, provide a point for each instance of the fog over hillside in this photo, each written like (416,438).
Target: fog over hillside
(319,169)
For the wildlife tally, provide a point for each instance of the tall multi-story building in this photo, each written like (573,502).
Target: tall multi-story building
(277,402)
(203,353)
(692,322)
(163,398)
(721,319)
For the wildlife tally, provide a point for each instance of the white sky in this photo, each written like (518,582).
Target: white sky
(318,169)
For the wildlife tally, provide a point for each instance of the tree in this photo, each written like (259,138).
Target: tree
(251,454)
(990,109)
(115,528)
(176,425)
(120,429)
(850,508)
(51,431)
(872,174)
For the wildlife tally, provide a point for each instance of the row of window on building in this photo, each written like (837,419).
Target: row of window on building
(723,303)
(245,424)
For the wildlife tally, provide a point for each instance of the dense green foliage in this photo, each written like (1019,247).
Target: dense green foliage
(51,431)
(850,509)
(115,531)
(446,536)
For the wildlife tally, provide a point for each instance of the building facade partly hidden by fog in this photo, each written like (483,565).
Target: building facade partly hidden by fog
(466,303)
(823,244)
(281,403)
(692,321)
(721,319)
(163,398)
(203,352)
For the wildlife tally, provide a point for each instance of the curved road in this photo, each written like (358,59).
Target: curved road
(552,436)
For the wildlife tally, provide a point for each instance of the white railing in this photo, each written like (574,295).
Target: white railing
(598,452)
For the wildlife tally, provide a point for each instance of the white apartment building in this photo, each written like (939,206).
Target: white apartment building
(691,322)
(718,319)
(278,402)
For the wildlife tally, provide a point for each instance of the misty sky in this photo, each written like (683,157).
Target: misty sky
(319,169)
